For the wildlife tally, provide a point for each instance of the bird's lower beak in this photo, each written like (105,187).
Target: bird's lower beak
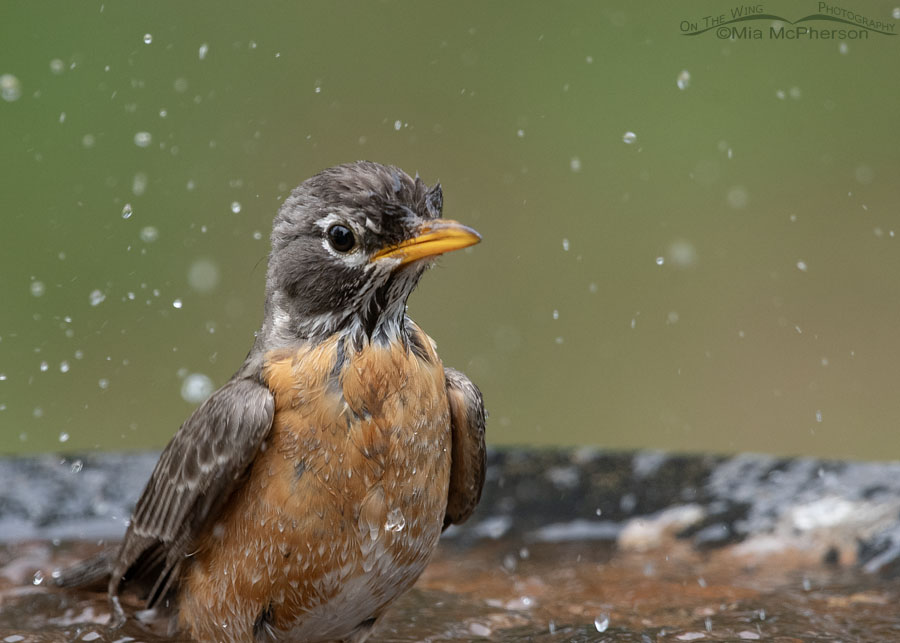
(434,238)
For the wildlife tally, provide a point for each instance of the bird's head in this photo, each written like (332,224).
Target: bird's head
(348,247)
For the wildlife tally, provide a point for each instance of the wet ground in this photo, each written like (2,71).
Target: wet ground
(509,590)
(568,547)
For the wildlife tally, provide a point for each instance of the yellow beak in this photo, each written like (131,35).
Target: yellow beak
(435,237)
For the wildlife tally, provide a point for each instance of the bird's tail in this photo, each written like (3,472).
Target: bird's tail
(92,573)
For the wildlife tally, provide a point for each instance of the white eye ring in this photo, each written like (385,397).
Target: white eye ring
(351,257)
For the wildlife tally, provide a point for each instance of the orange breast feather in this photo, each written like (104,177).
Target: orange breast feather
(344,503)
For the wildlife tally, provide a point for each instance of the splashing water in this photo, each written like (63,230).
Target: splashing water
(396,521)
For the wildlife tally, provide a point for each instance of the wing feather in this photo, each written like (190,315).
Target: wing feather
(468,457)
(196,473)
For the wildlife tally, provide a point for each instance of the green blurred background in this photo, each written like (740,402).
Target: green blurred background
(725,281)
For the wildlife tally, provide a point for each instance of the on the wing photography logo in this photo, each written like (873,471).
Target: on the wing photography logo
(829,22)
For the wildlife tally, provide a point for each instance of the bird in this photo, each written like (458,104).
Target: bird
(308,492)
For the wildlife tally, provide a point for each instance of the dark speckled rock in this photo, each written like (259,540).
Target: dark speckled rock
(546,495)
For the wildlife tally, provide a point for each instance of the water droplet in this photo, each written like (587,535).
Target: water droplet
(38,578)
(103,383)
(257,235)
(142,139)
(575,164)
(555,314)
(235,207)
(807,585)
(37,288)
(682,253)
(818,416)
(127,211)
(864,174)
(77,466)
(87,141)
(203,275)
(149,234)
(139,183)
(196,387)
(44,366)
(64,366)
(795,93)
(398,125)
(181,85)
(779,94)
(801,266)
(896,13)
(602,622)
(177,303)
(396,521)
(660,261)
(520,133)
(96,297)
(684,79)
(63,437)
(204,49)
(565,244)
(843,48)
(707,623)
(148,38)
(57,66)
(737,197)
(629,137)
(10,88)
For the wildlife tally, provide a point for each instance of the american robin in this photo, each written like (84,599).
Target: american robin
(309,492)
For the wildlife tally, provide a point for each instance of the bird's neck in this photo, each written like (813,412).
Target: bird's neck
(380,322)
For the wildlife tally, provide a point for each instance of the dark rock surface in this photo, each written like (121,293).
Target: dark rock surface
(543,495)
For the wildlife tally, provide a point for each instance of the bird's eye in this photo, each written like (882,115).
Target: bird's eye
(341,238)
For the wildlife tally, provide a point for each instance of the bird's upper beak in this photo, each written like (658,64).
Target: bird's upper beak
(435,237)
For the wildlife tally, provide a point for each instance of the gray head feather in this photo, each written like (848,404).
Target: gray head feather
(312,290)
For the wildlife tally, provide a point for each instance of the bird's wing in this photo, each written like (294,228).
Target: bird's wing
(468,461)
(196,473)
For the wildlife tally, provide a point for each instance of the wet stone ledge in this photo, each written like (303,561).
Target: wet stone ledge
(565,545)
